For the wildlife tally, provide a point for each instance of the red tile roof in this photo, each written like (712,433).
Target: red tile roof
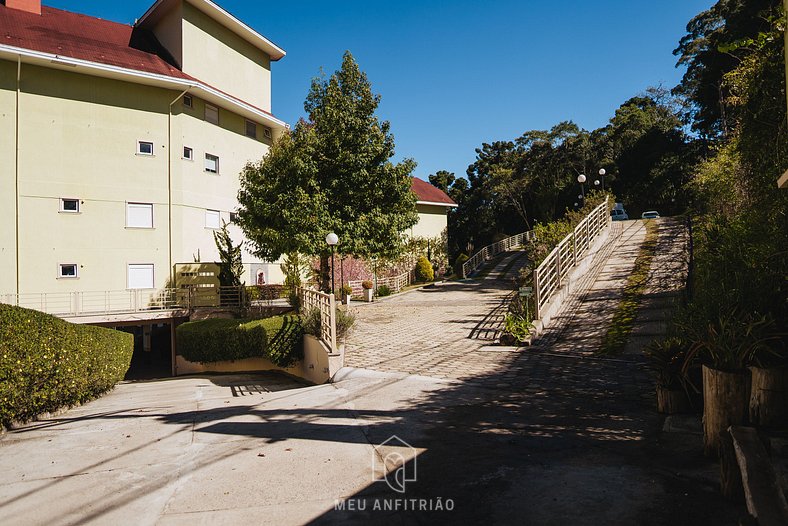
(86,38)
(426,192)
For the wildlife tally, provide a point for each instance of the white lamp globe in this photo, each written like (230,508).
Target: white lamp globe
(332,239)
(602,171)
(581,178)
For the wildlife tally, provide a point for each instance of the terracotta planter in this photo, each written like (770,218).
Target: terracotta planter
(725,403)
(769,397)
(368,295)
(672,401)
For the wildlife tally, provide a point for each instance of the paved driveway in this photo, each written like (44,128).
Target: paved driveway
(443,331)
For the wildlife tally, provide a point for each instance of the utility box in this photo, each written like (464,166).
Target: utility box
(197,284)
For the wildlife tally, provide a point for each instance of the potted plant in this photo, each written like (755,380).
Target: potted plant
(666,360)
(368,292)
(769,372)
(345,292)
(725,346)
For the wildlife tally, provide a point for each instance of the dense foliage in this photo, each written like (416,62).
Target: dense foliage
(231,266)
(332,173)
(423,270)
(47,364)
(214,340)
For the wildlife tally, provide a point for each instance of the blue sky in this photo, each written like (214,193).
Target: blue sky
(455,74)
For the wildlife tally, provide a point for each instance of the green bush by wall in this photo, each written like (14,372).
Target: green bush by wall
(458,263)
(278,338)
(47,363)
(424,271)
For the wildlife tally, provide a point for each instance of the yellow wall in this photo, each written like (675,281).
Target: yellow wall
(78,139)
(219,57)
(7,176)
(432,221)
(169,32)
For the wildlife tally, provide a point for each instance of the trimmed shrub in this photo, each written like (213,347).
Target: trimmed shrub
(424,270)
(384,290)
(458,263)
(214,340)
(47,363)
(366,284)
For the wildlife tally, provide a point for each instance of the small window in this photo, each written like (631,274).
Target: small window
(140,276)
(188,153)
(211,163)
(70,206)
(267,133)
(251,129)
(188,101)
(144,148)
(213,219)
(233,217)
(68,270)
(212,114)
(139,215)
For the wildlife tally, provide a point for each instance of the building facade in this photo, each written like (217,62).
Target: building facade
(432,205)
(122,145)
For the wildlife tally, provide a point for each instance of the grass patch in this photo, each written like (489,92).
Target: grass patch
(624,318)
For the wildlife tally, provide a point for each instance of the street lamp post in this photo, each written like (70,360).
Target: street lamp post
(602,175)
(582,179)
(332,239)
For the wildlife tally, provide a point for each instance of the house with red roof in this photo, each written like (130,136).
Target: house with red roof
(432,205)
(122,144)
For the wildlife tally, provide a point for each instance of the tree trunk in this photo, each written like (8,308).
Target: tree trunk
(725,403)
(769,397)
(671,401)
(325,273)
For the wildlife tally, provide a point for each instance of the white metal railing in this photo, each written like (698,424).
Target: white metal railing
(326,304)
(395,283)
(478,259)
(95,302)
(555,267)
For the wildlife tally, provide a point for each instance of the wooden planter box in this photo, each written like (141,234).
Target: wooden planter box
(725,403)
(672,401)
(769,397)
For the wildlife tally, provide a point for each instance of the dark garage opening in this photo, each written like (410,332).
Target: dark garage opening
(152,356)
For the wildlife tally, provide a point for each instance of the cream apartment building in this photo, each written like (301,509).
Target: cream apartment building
(122,145)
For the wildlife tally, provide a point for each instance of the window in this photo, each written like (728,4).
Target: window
(140,276)
(144,148)
(69,205)
(233,217)
(212,114)
(188,101)
(188,153)
(211,163)
(139,215)
(213,219)
(68,270)
(267,133)
(251,129)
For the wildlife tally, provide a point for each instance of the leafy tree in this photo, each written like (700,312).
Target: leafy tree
(331,173)
(704,50)
(230,264)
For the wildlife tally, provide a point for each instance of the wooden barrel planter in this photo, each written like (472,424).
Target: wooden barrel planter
(725,403)
(769,397)
(672,401)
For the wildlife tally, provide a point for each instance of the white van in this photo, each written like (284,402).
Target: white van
(618,213)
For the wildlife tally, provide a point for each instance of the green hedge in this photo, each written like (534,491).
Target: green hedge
(47,363)
(278,338)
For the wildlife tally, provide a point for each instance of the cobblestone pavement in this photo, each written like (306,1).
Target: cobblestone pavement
(444,331)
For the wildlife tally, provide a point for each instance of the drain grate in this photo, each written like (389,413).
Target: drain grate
(248,389)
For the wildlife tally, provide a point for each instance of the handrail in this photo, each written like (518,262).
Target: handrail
(395,283)
(326,304)
(483,255)
(555,267)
